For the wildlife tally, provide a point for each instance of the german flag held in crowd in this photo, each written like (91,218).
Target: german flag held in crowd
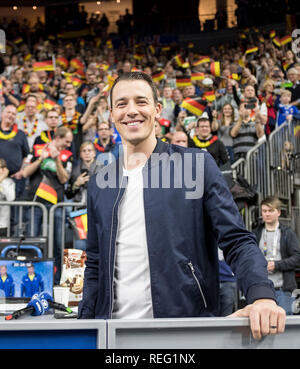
(46,192)
(215,69)
(251,50)
(76,64)
(201,60)
(179,60)
(197,76)
(158,76)
(182,81)
(46,65)
(209,95)
(195,105)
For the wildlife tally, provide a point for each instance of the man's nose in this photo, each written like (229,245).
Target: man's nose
(132,108)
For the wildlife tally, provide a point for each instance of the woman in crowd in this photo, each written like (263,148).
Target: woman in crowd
(223,127)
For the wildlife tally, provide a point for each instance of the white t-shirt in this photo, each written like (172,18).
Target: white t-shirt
(132,286)
(41,126)
(7,193)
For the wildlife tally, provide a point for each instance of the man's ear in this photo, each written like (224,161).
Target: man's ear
(158,110)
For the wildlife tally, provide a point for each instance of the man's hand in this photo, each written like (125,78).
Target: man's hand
(82,179)
(271,266)
(266,317)
(18,175)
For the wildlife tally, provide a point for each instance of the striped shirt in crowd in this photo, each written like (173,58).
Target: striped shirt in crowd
(245,139)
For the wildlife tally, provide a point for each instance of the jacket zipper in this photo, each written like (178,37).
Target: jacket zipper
(111,230)
(198,283)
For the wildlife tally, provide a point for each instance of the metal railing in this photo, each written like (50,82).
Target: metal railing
(280,173)
(66,208)
(272,170)
(25,216)
(238,167)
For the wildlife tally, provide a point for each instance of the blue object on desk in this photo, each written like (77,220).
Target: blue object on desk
(49,339)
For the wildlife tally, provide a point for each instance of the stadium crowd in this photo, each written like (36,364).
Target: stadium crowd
(56,125)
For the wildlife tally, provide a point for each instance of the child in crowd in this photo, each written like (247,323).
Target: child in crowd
(7,193)
(286,111)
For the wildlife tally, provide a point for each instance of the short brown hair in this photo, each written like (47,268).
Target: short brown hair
(103,122)
(3,163)
(50,111)
(62,131)
(272,202)
(136,76)
(87,143)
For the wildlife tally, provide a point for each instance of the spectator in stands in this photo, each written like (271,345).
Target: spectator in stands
(105,144)
(258,111)
(103,112)
(9,95)
(227,96)
(286,111)
(290,59)
(52,121)
(286,155)
(189,91)
(248,79)
(245,132)
(223,127)
(87,90)
(17,80)
(30,121)
(204,140)
(69,89)
(159,132)
(7,193)
(178,262)
(71,118)
(53,166)
(81,173)
(13,147)
(281,248)
(177,98)
(179,138)
(6,282)
(34,88)
(293,77)
(78,183)
(168,105)
(268,97)
(180,122)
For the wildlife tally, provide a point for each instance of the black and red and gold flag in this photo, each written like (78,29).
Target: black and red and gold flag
(195,105)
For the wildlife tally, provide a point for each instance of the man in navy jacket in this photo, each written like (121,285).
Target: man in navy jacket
(155,219)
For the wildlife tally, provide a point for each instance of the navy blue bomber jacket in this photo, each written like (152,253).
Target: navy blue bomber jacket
(182,236)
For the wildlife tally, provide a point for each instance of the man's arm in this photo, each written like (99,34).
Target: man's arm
(242,254)
(259,129)
(86,309)
(236,128)
(31,168)
(61,173)
(293,260)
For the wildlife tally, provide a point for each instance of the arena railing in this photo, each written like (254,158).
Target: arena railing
(284,146)
(66,208)
(24,218)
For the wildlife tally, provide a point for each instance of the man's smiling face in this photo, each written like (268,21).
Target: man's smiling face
(134,111)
